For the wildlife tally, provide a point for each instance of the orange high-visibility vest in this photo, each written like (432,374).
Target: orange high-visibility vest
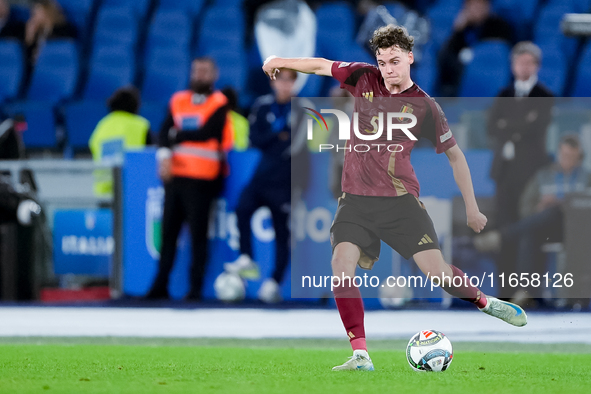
(198,159)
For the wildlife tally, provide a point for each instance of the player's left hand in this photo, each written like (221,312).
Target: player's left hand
(476,221)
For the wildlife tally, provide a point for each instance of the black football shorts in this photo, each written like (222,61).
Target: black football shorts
(401,222)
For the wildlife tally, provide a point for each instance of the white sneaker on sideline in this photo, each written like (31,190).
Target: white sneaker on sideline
(269,292)
(360,361)
(244,267)
(506,311)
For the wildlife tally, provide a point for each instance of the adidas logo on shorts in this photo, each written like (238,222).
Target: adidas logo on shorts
(426,240)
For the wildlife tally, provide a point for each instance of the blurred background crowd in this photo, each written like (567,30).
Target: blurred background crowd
(64,58)
(65,65)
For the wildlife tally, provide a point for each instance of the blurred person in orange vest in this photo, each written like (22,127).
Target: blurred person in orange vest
(193,141)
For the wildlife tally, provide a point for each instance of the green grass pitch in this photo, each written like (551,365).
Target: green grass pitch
(132,365)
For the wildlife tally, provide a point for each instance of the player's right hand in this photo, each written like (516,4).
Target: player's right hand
(270,67)
(477,221)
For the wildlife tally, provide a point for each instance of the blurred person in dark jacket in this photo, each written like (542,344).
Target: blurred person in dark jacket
(517,128)
(11,143)
(271,185)
(474,23)
(517,125)
(47,22)
(10,27)
(541,208)
(18,211)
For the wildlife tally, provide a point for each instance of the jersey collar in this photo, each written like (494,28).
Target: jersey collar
(409,90)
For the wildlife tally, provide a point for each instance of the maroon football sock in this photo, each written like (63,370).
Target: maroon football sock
(350,306)
(465,290)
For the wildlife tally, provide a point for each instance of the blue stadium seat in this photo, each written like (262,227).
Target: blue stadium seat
(81,118)
(554,70)
(232,69)
(488,72)
(582,83)
(40,119)
(453,5)
(425,69)
(78,13)
(313,86)
(397,10)
(193,7)
(169,28)
(441,17)
(257,83)
(425,75)
(11,68)
(167,71)
(56,73)
(229,3)
(352,52)
(336,25)
(20,12)
(155,112)
(547,29)
(116,26)
(514,10)
(221,27)
(519,13)
(139,7)
(576,5)
(110,69)
(583,6)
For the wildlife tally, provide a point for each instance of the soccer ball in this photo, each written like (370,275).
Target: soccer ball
(229,287)
(429,351)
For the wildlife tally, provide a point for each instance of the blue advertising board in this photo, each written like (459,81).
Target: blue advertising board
(142,211)
(143,196)
(83,242)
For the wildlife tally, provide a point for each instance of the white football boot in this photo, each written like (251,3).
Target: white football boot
(244,267)
(360,361)
(269,292)
(511,313)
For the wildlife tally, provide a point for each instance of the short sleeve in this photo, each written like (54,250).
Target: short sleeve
(348,74)
(436,129)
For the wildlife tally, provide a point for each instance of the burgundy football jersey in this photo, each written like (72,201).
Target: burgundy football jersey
(380,171)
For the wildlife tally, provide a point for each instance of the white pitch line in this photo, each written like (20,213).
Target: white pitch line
(267,323)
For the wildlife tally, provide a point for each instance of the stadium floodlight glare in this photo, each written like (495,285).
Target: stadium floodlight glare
(576,24)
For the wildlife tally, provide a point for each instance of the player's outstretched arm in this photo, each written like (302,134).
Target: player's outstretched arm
(307,65)
(457,160)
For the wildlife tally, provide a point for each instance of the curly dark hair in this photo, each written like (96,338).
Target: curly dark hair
(390,35)
(125,99)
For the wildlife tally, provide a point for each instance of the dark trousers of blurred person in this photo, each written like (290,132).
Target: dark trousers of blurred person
(527,236)
(277,200)
(16,244)
(509,190)
(185,200)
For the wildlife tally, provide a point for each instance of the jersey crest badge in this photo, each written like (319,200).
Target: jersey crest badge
(406,109)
